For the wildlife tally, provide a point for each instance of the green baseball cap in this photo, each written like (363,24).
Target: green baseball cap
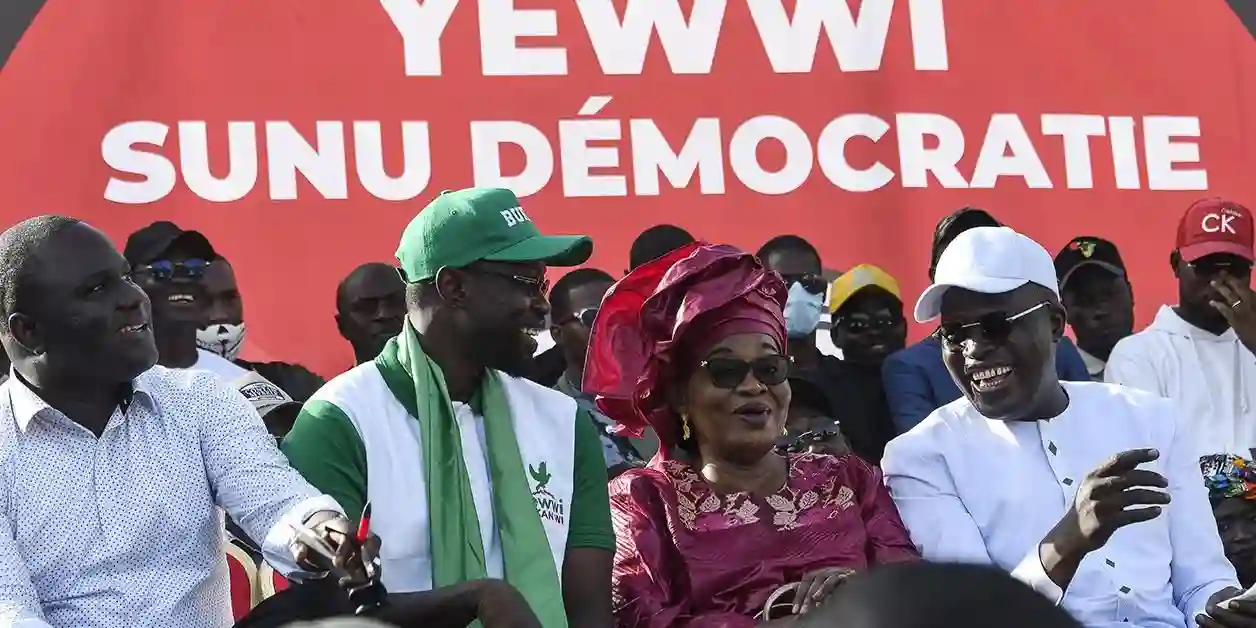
(476,224)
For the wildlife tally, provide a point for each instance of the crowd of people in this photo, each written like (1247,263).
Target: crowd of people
(685,455)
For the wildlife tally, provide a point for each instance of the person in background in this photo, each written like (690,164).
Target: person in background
(1231,482)
(718,521)
(224,330)
(1064,484)
(473,470)
(370,306)
(574,302)
(809,425)
(1200,351)
(278,412)
(798,263)
(1097,296)
(652,243)
(915,379)
(867,325)
(656,242)
(117,470)
(169,263)
(930,595)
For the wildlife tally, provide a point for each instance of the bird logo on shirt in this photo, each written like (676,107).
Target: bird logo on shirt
(549,507)
(540,475)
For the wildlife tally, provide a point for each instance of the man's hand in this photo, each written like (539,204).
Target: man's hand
(816,586)
(1237,614)
(1109,498)
(337,534)
(1239,309)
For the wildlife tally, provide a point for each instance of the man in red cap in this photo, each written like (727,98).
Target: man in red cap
(1200,351)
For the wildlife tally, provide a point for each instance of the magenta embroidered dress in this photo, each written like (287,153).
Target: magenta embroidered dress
(689,557)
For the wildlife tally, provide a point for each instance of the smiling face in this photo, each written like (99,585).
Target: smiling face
(737,396)
(173,283)
(87,321)
(1005,368)
(869,327)
(503,308)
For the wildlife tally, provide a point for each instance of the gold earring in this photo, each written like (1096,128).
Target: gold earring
(684,427)
(784,431)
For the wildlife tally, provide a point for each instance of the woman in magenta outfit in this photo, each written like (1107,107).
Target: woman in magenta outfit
(693,344)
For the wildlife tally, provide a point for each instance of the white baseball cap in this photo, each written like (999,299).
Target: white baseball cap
(989,260)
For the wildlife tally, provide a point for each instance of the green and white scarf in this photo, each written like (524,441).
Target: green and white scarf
(457,551)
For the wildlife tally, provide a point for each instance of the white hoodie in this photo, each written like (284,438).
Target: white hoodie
(1211,376)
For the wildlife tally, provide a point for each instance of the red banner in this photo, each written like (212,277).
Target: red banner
(301,135)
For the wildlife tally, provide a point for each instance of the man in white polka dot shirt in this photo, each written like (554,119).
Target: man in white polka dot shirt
(114,473)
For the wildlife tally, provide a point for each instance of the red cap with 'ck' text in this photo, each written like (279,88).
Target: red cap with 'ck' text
(1215,225)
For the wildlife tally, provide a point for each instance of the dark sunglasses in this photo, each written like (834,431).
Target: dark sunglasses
(729,373)
(797,444)
(165,270)
(1215,267)
(859,325)
(815,284)
(584,317)
(995,327)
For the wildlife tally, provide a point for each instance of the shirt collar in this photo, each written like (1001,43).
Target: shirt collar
(567,387)
(1094,365)
(27,404)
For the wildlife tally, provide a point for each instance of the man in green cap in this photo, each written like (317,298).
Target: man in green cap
(471,471)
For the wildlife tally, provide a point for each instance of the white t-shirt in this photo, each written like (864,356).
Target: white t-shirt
(226,370)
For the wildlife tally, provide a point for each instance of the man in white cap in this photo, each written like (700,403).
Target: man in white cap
(1067,485)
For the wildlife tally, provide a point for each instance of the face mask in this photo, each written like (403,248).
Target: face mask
(222,339)
(802,311)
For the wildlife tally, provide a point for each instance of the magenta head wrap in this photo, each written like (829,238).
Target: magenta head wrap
(663,317)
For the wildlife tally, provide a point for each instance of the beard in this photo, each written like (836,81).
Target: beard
(505,351)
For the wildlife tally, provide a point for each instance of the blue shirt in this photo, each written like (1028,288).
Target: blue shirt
(917,382)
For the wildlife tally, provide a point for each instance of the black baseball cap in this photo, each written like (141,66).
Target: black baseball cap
(149,243)
(1087,251)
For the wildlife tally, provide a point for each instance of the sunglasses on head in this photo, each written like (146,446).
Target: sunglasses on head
(995,327)
(164,270)
(729,373)
(815,284)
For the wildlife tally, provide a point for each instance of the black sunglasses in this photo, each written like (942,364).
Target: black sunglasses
(815,284)
(795,444)
(859,325)
(729,373)
(584,317)
(164,270)
(995,327)
(1210,268)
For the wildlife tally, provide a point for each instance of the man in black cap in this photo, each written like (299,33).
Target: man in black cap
(916,382)
(1097,296)
(169,263)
